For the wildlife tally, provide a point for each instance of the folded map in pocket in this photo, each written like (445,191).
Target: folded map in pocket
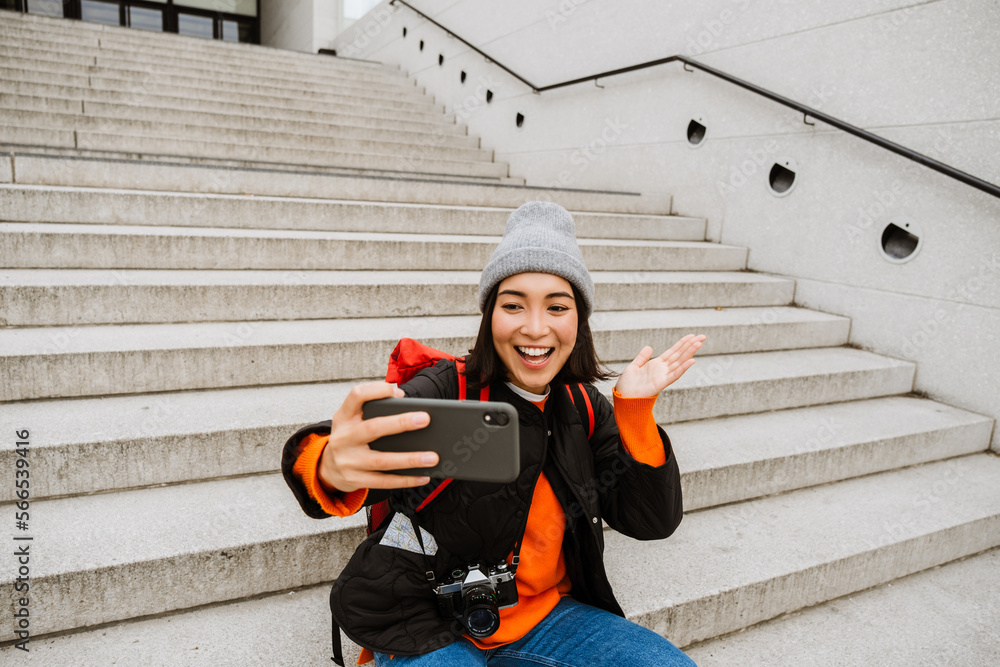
(399,534)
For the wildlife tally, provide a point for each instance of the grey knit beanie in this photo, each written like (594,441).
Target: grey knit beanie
(540,237)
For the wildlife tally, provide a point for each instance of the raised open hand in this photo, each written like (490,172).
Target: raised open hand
(648,375)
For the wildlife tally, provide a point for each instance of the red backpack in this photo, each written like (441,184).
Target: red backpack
(409,358)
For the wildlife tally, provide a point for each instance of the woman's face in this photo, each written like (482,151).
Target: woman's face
(534,328)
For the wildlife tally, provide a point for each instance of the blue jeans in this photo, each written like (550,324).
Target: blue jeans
(572,635)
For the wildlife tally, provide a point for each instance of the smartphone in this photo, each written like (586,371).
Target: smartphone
(475,440)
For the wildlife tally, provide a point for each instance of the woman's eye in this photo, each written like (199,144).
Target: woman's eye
(510,306)
(558,309)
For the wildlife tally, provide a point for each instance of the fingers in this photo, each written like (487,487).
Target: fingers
(379,427)
(377,461)
(363,467)
(348,463)
(644,355)
(385,481)
(364,392)
(683,349)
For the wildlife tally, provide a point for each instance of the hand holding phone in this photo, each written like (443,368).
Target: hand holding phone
(474,440)
(348,463)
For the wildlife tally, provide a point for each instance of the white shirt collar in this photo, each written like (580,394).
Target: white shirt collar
(527,395)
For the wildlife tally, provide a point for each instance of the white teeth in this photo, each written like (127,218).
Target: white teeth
(534,351)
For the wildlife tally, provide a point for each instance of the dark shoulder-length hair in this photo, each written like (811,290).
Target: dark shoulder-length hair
(483,365)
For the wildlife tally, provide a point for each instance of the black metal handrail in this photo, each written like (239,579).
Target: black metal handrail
(808,112)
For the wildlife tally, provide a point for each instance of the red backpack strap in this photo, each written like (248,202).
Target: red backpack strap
(460,367)
(484,393)
(462,396)
(584,407)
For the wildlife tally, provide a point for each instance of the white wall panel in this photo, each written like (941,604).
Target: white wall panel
(921,73)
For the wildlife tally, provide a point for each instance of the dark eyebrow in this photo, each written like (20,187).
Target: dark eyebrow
(525,296)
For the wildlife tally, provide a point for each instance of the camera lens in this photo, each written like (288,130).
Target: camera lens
(502,418)
(481,616)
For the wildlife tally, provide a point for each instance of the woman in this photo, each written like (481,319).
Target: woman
(534,342)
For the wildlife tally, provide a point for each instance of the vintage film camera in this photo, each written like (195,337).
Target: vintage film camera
(476,596)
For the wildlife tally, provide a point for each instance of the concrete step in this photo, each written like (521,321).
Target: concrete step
(70,297)
(95,246)
(121,442)
(18,53)
(265,59)
(204,84)
(224,173)
(184,89)
(123,171)
(944,616)
(169,45)
(240,119)
(289,110)
(243,537)
(734,384)
(128,359)
(207,542)
(271,134)
(734,566)
(729,459)
(151,208)
(413,158)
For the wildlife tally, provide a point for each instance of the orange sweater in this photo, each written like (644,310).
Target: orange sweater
(541,575)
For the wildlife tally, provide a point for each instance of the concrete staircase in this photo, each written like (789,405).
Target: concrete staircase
(205,245)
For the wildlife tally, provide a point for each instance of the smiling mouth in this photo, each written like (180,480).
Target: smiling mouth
(535,355)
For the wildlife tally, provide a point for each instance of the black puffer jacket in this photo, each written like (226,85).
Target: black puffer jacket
(383,600)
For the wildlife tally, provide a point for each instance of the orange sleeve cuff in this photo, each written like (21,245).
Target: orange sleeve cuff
(641,438)
(306,467)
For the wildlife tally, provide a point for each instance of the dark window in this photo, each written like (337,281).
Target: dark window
(237,31)
(49,7)
(195,25)
(153,15)
(144,18)
(98,11)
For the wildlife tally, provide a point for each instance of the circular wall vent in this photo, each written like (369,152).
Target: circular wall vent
(900,240)
(782,177)
(696,131)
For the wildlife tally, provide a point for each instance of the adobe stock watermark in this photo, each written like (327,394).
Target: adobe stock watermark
(984,275)
(905,526)
(562,12)
(894,21)
(363,34)
(475,101)
(706,36)
(879,206)
(819,95)
(755,160)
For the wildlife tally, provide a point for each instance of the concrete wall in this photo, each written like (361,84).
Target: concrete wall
(919,73)
(302,25)
(287,24)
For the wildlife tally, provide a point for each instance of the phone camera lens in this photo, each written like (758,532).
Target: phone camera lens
(502,418)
